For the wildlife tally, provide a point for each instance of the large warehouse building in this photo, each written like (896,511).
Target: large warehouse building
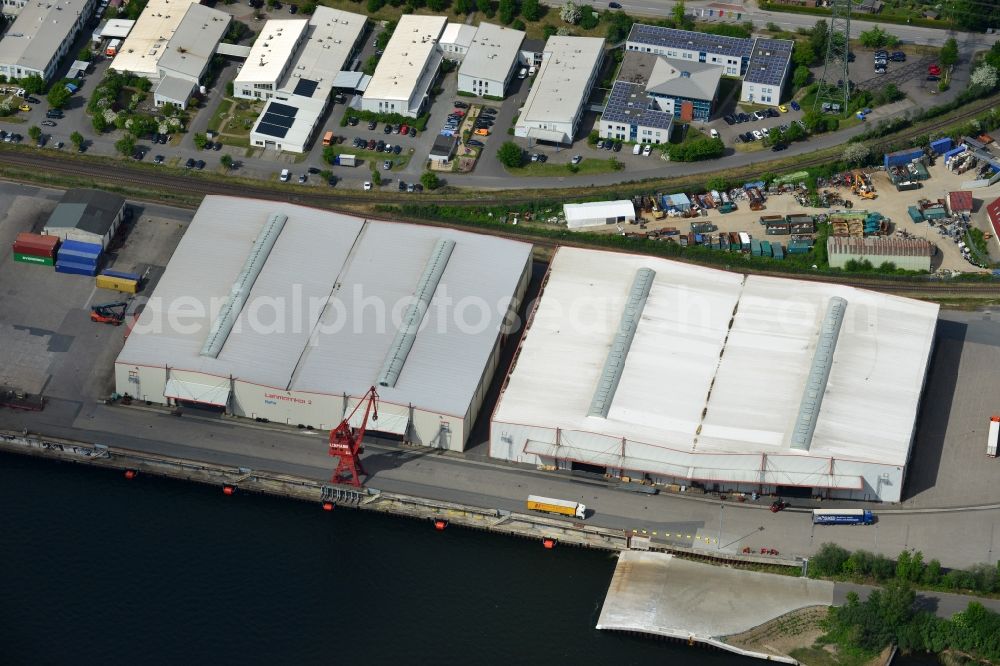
(673,373)
(271,310)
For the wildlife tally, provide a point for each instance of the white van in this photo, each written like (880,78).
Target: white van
(636,149)
(523,74)
(285,175)
(531,70)
(714,133)
(647,150)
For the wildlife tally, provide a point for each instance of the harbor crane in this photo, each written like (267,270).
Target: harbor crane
(346,442)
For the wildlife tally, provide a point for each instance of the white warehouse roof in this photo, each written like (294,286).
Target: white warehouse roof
(141,51)
(580,213)
(492,53)
(38,31)
(411,46)
(119,28)
(561,85)
(313,319)
(271,51)
(718,365)
(193,42)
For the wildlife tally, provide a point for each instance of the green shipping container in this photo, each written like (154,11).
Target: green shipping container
(31,259)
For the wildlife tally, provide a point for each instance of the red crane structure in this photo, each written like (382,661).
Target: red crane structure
(345,442)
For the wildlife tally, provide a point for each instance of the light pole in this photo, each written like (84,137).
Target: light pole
(718,545)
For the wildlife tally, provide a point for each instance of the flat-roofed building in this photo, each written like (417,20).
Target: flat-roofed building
(408,69)
(270,59)
(141,51)
(291,116)
(767,71)
(41,35)
(418,312)
(912,254)
(188,54)
(631,114)
(456,40)
(673,373)
(490,62)
(556,102)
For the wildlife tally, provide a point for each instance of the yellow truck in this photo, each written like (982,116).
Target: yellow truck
(561,507)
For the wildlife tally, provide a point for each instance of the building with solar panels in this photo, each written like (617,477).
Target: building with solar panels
(763,64)
(671,373)
(632,115)
(269,310)
(293,65)
(766,72)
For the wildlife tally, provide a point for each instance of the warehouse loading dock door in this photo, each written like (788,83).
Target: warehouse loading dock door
(804,492)
(589,469)
(214,397)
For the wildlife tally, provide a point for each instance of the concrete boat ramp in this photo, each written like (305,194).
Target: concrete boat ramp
(660,595)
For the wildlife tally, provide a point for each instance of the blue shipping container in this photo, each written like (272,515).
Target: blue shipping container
(941,146)
(75,268)
(79,246)
(121,274)
(957,150)
(777,250)
(77,257)
(901,157)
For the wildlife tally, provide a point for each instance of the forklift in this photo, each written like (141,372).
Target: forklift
(109,313)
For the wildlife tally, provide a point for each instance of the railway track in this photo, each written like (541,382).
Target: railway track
(104,171)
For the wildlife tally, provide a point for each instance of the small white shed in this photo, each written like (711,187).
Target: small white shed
(598,213)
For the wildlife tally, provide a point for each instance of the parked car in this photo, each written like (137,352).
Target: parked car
(795,105)
(773,113)
(314,170)
(475,143)
(714,133)
(158,159)
(32,100)
(387,129)
(758,135)
(405,129)
(48,123)
(614,5)
(759,115)
(778,147)
(189,164)
(897,56)
(609,144)
(25,108)
(380,146)
(618,146)
(647,150)
(292,9)
(397,149)
(372,125)
(576,159)
(200,164)
(460,104)
(489,109)
(482,131)
(352,121)
(413,131)
(217,146)
(387,165)
(402,186)
(782,108)
(371,144)
(730,119)
(367,185)
(285,175)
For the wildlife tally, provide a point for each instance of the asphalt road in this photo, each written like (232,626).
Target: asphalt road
(960,538)
(942,604)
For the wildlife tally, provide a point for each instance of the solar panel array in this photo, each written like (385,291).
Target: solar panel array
(277,120)
(305,88)
(629,104)
(769,61)
(653,35)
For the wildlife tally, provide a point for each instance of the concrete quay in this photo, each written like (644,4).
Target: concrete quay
(657,594)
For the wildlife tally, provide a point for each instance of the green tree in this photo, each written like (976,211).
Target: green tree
(795,132)
(58,97)
(856,153)
(678,13)
(588,18)
(619,25)
(877,38)
(125,145)
(507,12)
(34,132)
(818,38)
(570,13)
(370,64)
(33,84)
(435,5)
(376,178)
(697,149)
(973,14)
(375,5)
(814,121)
(430,180)
(548,31)
(801,76)
(85,54)
(99,123)
(531,10)
(829,560)
(200,141)
(949,53)
(462,6)
(226,161)
(76,139)
(486,7)
(309,7)
(510,155)
(932,574)
(803,54)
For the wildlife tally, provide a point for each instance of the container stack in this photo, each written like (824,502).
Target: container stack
(119,281)
(35,249)
(78,258)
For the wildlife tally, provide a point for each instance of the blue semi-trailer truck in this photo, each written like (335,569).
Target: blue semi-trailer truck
(843,517)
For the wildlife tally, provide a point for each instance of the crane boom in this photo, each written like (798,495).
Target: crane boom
(346,442)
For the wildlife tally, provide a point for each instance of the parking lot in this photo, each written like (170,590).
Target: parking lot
(50,344)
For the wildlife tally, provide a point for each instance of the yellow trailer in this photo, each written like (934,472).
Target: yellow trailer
(561,507)
(117,284)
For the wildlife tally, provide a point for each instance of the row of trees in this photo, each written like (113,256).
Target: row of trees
(833,561)
(888,616)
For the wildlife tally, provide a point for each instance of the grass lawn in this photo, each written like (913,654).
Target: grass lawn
(215,122)
(589,165)
(376,158)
